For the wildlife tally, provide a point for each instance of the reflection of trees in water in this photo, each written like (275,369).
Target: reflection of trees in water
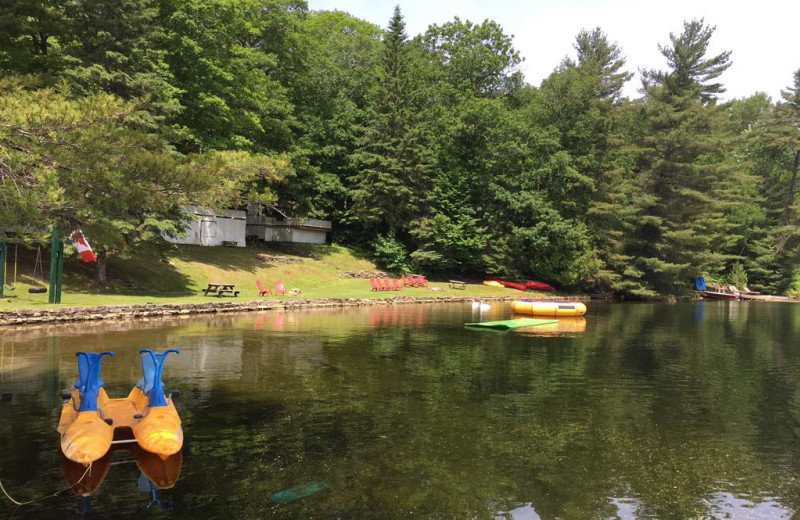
(632,409)
(664,416)
(655,409)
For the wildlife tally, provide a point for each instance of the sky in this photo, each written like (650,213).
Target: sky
(763,35)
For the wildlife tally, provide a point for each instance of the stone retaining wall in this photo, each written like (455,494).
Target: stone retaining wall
(362,274)
(117,312)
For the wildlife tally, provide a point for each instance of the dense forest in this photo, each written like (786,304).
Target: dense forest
(428,152)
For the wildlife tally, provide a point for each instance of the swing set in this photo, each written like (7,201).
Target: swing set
(56,266)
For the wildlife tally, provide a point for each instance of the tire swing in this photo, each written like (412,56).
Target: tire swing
(38,268)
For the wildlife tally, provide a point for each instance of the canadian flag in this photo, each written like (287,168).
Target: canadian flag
(82,246)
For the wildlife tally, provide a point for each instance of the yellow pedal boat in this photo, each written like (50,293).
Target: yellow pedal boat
(91,421)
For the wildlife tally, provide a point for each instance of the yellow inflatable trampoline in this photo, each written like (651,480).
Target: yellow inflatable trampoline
(548,308)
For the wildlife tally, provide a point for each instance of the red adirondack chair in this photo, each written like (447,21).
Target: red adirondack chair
(262,291)
(376,286)
(421,280)
(280,288)
(396,284)
(386,285)
(409,281)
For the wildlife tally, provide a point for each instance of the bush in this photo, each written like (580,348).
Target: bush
(737,276)
(391,255)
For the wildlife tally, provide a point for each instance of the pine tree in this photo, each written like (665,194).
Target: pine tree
(32,33)
(395,162)
(686,183)
(582,100)
(601,59)
(117,47)
(76,163)
(774,148)
(690,71)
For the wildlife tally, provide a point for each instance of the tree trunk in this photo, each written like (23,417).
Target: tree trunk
(100,274)
(792,188)
(783,238)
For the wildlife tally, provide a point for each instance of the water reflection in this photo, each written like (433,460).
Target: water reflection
(524,512)
(399,412)
(155,474)
(564,327)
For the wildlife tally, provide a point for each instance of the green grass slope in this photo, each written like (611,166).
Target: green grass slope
(181,275)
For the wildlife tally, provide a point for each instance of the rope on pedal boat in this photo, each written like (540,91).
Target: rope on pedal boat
(3,489)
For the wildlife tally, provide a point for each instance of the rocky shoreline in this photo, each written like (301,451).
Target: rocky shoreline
(126,312)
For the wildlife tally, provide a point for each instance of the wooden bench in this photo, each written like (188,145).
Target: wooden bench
(221,288)
(457,284)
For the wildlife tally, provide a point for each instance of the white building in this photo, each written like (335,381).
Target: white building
(210,228)
(268,224)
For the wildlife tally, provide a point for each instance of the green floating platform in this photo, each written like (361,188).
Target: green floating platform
(510,324)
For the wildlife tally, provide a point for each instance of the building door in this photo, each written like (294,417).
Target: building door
(208,232)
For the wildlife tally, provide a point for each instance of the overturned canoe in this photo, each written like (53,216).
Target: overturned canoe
(548,308)
(511,324)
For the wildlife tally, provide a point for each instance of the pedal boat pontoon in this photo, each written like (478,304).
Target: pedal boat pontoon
(91,421)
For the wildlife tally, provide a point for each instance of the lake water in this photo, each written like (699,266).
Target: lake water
(639,411)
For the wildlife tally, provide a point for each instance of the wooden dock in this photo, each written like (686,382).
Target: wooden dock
(764,297)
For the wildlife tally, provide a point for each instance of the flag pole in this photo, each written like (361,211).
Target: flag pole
(2,265)
(56,266)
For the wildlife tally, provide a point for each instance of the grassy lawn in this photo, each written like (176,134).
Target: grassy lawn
(181,276)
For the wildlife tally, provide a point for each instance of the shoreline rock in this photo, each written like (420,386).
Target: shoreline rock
(165,310)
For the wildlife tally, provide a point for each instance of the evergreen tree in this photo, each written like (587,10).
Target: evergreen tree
(32,34)
(117,46)
(600,59)
(470,73)
(395,162)
(774,148)
(76,163)
(581,99)
(690,71)
(687,185)
(788,114)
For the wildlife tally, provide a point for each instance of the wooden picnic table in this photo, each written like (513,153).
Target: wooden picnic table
(221,288)
(457,284)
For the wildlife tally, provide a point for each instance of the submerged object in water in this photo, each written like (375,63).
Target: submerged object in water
(90,420)
(297,492)
(510,324)
(548,308)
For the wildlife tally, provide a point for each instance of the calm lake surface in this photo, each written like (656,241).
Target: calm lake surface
(641,411)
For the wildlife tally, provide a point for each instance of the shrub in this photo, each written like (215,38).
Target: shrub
(390,254)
